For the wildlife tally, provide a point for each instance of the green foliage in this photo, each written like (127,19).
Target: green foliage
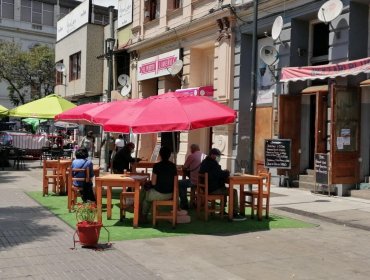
(29,74)
(86,212)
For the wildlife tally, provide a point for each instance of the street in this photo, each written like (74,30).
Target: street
(35,244)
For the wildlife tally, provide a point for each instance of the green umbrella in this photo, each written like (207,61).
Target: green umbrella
(34,122)
(46,108)
(3,110)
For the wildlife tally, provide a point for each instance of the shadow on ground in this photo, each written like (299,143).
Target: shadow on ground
(21,225)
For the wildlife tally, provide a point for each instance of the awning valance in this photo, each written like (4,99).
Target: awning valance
(354,67)
(315,89)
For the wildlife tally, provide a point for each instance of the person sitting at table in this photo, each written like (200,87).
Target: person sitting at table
(123,159)
(81,162)
(161,184)
(191,169)
(217,179)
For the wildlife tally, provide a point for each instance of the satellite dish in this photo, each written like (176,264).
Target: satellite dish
(125,91)
(269,55)
(59,66)
(277,27)
(330,10)
(175,68)
(124,79)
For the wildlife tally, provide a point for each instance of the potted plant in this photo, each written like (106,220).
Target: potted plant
(88,228)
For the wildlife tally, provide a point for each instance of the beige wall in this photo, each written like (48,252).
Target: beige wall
(89,41)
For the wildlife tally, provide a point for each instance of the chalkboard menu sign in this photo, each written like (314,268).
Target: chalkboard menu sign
(277,153)
(321,168)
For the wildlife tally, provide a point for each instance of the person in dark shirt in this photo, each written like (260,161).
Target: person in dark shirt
(123,158)
(162,182)
(217,178)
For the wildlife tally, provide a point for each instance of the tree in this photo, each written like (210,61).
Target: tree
(29,74)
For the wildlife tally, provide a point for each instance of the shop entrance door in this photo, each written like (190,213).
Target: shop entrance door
(345,135)
(318,125)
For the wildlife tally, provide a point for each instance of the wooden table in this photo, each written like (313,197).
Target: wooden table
(120,181)
(241,180)
(143,164)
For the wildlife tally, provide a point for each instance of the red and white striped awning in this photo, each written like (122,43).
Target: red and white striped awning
(354,67)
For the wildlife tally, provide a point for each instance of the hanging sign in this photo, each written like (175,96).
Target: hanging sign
(278,153)
(156,66)
(124,13)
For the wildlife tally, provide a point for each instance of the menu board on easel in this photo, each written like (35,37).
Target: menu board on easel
(277,153)
(155,153)
(321,169)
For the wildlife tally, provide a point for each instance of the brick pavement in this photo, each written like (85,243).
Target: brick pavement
(34,244)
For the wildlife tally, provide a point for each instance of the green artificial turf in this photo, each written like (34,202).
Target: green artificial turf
(124,230)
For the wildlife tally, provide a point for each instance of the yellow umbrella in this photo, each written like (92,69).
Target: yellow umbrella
(3,110)
(45,108)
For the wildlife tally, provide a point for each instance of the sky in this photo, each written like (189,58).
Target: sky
(104,3)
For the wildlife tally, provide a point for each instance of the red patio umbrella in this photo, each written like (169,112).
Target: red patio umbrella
(101,114)
(170,112)
(75,114)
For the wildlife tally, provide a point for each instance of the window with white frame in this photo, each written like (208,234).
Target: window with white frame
(7,9)
(37,12)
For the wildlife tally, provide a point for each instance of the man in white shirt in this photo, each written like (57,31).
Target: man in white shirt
(119,143)
(191,166)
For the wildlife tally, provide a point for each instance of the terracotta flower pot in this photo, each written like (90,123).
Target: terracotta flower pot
(88,232)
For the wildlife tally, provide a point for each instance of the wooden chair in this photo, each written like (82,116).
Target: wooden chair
(74,190)
(203,197)
(253,195)
(171,216)
(126,193)
(51,174)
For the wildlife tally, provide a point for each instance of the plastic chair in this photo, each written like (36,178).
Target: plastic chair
(128,193)
(203,197)
(51,176)
(253,195)
(173,203)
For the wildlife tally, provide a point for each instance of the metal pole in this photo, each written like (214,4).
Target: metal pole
(253,89)
(109,55)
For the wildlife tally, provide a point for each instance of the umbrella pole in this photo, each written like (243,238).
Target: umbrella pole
(174,147)
(101,140)
(137,145)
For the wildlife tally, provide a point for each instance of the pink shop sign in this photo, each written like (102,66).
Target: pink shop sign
(202,91)
(156,66)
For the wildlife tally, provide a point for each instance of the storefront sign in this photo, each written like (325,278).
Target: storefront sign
(343,69)
(74,20)
(157,66)
(277,153)
(124,13)
(202,91)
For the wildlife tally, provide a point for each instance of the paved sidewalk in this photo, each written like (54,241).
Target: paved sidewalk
(34,244)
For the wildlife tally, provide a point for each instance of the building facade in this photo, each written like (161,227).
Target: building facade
(30,23)
(320,116)
(200,33)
